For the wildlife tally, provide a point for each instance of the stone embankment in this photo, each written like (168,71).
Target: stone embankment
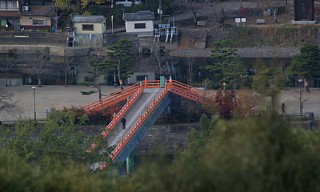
(248,52)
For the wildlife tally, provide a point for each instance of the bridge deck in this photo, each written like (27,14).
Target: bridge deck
(132,115)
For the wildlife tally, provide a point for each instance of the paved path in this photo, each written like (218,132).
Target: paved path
(48,97)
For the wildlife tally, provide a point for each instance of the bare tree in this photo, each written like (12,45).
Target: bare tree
(9,65)
(6,103)
(38,64)
(66,68)
(156,56)
(302,95)
(190,70)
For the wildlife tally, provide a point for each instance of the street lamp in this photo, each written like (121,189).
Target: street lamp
(300,96)
(34,103)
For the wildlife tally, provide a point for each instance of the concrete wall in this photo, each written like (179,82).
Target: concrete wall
(33,38)
(11,81)
(89,40)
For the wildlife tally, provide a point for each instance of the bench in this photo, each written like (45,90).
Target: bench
(260,21)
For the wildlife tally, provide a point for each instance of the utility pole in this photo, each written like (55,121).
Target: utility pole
(160,10)
(34,103)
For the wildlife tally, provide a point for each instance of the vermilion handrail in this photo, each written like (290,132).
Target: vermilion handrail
(138,124)
(173,86)
(117,118)
(188,91)
(111,99)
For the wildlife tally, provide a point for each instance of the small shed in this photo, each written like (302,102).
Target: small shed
(140,23)
(89,30)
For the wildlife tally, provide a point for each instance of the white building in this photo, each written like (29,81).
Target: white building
(140,23)
(89,30)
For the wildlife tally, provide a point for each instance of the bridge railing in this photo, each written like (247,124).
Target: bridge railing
(111,99)
(173,86)
(189,92)
(138,124)
(118,116)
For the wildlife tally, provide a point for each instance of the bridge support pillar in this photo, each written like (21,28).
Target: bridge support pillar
(130,163)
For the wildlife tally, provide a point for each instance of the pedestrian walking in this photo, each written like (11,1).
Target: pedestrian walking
(123,122)
(283,108)
(306,86)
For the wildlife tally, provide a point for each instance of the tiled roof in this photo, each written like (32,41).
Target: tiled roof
(9,14)
(39,11)
(140,15)
(88,19)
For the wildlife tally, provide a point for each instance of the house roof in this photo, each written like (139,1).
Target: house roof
(39,11)
(140,15)
(9,14)
(88,19)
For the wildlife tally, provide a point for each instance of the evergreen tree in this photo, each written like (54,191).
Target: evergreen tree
(306,64)
(120,59)
(227,66)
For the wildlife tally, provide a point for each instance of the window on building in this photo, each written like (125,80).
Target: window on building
(3,5)
(139,25)
(37,22)
(9,5)
(12,5)
(141,77)
(87,27)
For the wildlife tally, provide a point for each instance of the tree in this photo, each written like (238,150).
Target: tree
(98,68)
(10,64)
(306,64)
(269,82)
(38,64)
(63,7)
(59,138)
(227,66)
(6,104)
(120,60)
(66,68)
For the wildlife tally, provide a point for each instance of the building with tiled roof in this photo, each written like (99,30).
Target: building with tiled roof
(140,23)
(9,14)
(89,30)
(37,18)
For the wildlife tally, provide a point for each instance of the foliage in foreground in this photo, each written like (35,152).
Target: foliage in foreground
(258,154)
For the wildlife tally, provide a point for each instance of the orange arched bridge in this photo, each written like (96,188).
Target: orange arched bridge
(145,101)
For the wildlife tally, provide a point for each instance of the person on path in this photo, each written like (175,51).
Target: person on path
(123,122)
(283,108)
(306,86)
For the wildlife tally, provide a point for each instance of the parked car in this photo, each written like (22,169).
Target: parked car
(128,3)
